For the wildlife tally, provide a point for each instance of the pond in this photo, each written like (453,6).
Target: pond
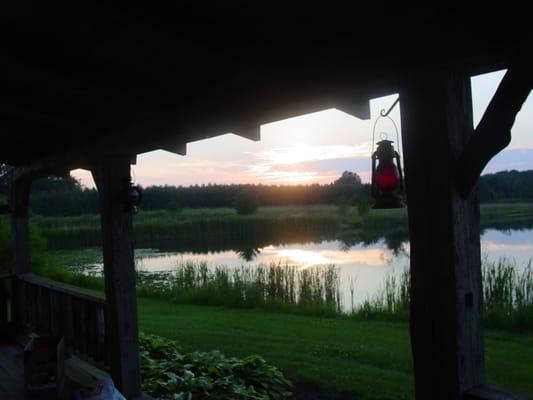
(362,265)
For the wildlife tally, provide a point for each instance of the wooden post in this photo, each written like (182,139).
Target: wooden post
(111,179)
(20,233)
(446,296)
(19,198)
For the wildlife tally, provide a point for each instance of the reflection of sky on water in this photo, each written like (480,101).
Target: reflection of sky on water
(515,245)
(366,265)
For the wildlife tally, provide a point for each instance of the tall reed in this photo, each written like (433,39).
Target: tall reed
(278,286)
(507,296)
(390,301)
(504,287)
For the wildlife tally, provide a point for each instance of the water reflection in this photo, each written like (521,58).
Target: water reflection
(365,258)
(248,254)
(359,259)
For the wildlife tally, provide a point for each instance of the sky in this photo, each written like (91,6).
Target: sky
(313,148)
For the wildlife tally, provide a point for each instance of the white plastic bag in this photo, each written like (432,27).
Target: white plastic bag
(105,390)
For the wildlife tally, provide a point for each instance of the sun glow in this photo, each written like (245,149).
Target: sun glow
(305,258)
(301,152)
(294,164)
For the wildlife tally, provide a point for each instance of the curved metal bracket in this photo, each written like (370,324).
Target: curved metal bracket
(383,114)
(386,114)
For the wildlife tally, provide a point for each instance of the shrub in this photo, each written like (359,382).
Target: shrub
(37,243)
(245,204)
(169,373)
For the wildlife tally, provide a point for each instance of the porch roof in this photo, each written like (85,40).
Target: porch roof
(84,83)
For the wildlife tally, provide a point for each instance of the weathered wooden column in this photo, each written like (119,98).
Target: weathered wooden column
(19,198)
(112,178)
(446,296)
(20,232)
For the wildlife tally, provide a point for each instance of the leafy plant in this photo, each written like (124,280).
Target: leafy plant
(169,373)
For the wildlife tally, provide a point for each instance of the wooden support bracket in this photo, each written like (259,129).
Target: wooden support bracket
(493,132)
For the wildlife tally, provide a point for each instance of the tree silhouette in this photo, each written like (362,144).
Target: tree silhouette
(348,178)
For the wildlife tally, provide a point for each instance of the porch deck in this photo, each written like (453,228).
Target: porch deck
(78,373)
(11,372)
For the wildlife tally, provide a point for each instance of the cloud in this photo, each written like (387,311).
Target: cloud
(519,159)
(301,152)
(304,163)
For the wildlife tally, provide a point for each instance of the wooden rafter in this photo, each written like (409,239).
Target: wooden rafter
(493,132)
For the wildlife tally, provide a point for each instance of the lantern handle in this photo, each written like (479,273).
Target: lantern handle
(385,114)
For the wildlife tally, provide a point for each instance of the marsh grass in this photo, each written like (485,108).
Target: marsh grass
(285,287)
(508,294)
(391,301)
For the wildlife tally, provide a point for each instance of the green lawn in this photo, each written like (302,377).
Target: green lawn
(371,359)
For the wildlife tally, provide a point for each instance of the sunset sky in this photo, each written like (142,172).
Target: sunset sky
(313,148)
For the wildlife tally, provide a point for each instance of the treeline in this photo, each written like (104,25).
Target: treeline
(214,196)
(506,186)
(75,200)
(66,196)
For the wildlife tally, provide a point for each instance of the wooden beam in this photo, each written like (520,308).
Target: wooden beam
(357,107)
(38,171)
(60,166)
(180,149)
(112,178)
(493,133)
(20,235)
(487,393)
(252,133)
(446,296)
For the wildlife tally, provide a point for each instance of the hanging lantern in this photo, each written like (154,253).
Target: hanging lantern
(132,196)
(387,177)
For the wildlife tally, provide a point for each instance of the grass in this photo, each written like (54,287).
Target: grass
(367,358)
(343,357)
(489,212)
(506,212)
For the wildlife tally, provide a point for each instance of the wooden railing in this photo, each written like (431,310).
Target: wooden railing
(55,308)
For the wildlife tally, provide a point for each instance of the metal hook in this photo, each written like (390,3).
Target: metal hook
(386,114)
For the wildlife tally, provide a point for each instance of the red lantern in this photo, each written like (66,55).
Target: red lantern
(387,177)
